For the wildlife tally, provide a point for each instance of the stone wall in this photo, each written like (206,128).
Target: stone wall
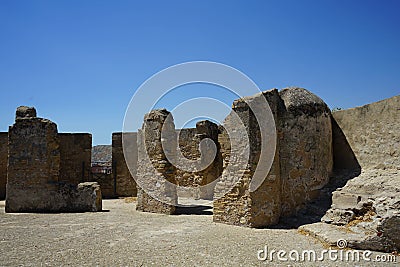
(125,183)
(155,172)
(188,143)
(366,210)
(192,184)
(305,150)
(373,133)
(33,182)
(75,157)
(3,164)
(302,164)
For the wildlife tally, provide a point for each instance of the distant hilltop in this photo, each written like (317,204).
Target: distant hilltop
(102,153)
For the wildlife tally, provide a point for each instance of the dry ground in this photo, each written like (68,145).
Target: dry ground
(121,236)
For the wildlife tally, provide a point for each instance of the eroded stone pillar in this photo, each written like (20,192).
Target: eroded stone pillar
(242,206)
(156,175)
(33,162)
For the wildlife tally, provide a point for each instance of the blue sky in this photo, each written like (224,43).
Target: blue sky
(80,62)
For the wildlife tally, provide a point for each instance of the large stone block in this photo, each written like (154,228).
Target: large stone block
(33,177)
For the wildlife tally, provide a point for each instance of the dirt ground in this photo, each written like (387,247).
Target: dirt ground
(121,236)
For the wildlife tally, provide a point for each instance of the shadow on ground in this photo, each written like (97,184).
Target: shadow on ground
(194,210)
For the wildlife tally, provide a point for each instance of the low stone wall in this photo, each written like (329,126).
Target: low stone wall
(3,164)
(75,157)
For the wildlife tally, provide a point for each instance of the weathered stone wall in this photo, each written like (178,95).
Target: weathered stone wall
(106,182)
(305,150)
(125,183)
(373,133)
(302,164)
(75,157)
(188,143)
(3,164)
(241,206)
(155,171)
(191,184)
(33,182)
(208,132)
(368,204)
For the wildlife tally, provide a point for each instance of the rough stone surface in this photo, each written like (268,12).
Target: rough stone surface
(155,172)
(25,112)
(191,184)
(305,147)
(301,167)
(75,157)
(125,183)
(373,133)
(369,204)
(33,164)
(88,197)
(331,234)
(33,175)
(240,206)
(3,164)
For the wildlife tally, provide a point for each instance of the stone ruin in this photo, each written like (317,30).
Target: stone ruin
(155,172)
(120,182)
(43,169)
(192,184)
(341,169)
(365,210)
(301,167)
(302,163)
(318,154)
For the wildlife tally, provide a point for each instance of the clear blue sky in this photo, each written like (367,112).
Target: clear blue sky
(79,62)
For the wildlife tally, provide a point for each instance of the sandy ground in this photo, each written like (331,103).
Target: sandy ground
(121,236)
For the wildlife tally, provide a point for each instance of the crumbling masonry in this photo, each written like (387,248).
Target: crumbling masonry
(37,179)
(301,166)
(43,171)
